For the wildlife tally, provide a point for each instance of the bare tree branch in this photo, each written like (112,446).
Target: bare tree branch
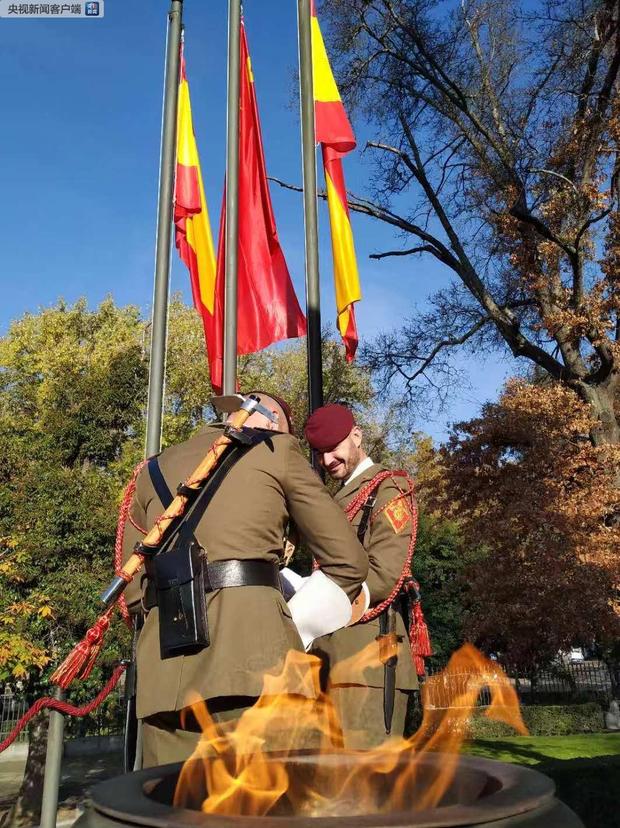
(423,248)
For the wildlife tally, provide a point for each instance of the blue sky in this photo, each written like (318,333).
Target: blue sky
(81,121)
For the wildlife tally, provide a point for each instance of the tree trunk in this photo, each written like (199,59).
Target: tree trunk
(27,809)
(601,399)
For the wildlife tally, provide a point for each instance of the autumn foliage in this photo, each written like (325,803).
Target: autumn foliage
(526,483)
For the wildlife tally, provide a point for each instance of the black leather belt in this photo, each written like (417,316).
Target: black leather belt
(235,573)
(225,574)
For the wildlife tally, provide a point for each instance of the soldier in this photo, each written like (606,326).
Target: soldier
(382,509)
(250,626)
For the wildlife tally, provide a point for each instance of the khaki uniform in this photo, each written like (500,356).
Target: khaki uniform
(250,627)
(360,705)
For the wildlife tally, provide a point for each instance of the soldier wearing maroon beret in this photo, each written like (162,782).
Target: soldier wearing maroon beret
(381,507)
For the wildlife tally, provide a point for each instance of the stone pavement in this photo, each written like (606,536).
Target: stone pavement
(79,774)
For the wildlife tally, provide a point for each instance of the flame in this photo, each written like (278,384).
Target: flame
(254,767)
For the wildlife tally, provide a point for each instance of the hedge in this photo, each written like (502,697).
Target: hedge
(556,720)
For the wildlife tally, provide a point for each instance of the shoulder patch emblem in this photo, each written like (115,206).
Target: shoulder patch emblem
(398,515)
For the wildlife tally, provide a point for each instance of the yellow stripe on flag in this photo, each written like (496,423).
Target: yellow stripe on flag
(187,152)
(346,277)
(200,240)
(325,88)
(197,226)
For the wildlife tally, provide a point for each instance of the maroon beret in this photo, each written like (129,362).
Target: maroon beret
(328,426)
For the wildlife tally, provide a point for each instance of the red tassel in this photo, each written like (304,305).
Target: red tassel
(419,639)
(82,657)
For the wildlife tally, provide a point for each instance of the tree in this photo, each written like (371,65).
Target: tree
(496,153)
(440,564)
(71,397)
(526,483)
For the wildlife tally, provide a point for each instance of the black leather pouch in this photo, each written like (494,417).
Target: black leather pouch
(179,577)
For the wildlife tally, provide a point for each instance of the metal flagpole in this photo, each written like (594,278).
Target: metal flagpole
(49,804)
(159,326)
(232,200)
(159,329)
(313,295)
(53,762)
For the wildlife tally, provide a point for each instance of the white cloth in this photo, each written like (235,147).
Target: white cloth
(361,467)
(319,607)
(294,579)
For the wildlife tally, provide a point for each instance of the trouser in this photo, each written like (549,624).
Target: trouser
(172,736)
(360,710)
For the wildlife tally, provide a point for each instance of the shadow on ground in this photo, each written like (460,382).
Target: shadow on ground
(79,776)
(589,786)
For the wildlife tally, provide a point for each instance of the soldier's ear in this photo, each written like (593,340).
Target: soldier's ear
(357,435)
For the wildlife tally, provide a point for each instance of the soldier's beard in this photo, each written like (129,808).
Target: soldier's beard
(345,462)
(355,458)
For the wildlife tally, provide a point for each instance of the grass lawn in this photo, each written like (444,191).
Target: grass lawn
(585,769)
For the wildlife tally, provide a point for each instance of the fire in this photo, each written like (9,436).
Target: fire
(262,764)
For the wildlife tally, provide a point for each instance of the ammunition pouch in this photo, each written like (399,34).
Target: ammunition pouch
(178,577)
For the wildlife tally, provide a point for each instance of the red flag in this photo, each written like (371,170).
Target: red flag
(268,310)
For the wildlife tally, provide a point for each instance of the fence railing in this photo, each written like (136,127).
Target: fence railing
(560,683)
(12,708)
(107,720)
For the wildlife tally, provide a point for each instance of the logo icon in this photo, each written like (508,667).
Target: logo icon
(91,9)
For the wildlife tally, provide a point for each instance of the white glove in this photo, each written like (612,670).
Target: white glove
(292,580)
(319,607)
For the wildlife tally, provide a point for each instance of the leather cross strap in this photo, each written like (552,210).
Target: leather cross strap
(159,482)
(183,529)
(367,508)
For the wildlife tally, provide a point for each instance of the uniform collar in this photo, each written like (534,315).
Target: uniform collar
(357,479)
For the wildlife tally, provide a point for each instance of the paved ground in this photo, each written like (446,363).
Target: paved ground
(78,777)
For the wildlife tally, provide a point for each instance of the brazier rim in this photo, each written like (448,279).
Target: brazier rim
(521,790)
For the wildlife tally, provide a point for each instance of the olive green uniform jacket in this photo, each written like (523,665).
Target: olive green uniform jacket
(250,627)
(387,544)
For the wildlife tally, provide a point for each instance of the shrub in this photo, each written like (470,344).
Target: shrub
(557,720)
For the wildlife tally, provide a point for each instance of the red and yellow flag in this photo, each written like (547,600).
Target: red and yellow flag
(334,133)
(193,237)
(268,310)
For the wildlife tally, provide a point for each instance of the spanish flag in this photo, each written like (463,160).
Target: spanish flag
(268,310)
(334,133)
(193,231)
